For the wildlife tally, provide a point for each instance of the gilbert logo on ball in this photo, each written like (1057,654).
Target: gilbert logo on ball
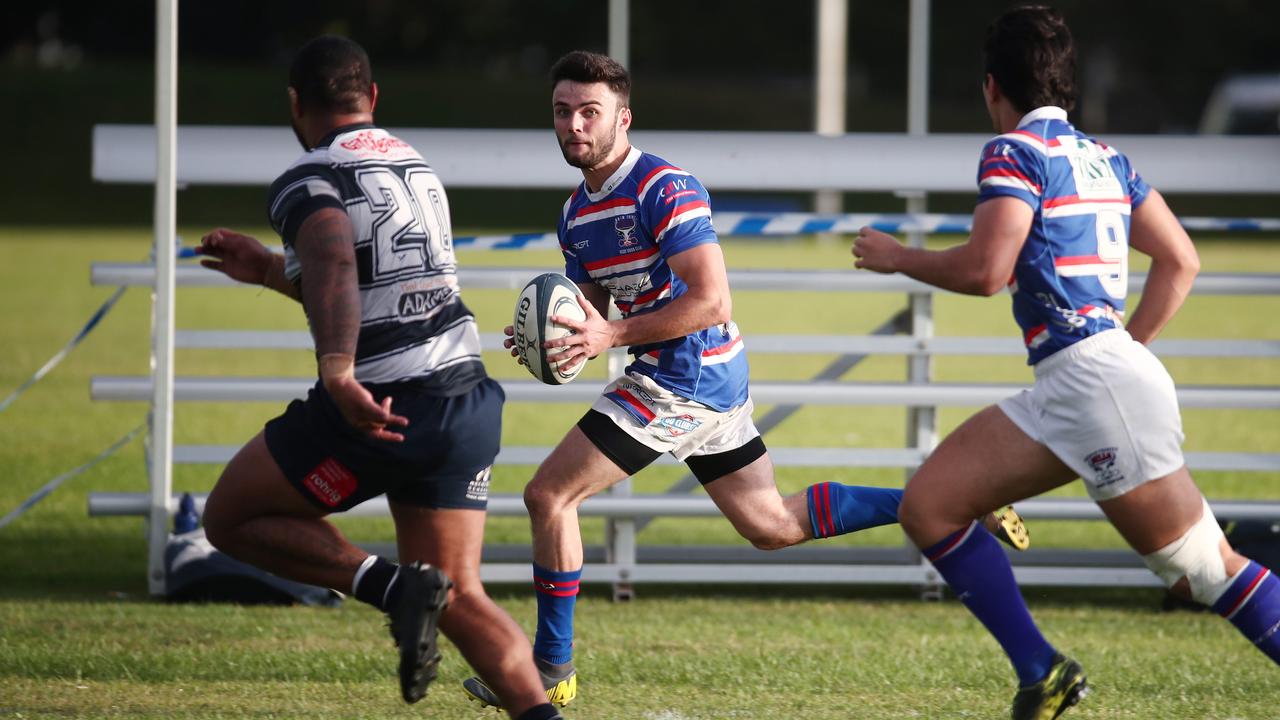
(546,295)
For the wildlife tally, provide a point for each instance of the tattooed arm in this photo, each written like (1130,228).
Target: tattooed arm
(325,246)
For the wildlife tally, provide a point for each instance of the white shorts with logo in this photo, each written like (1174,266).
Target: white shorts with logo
(667,422)
(1107,408)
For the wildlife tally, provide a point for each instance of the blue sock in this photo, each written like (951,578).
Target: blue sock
(1252,604)
(557,596)
(975,566)
(836,509)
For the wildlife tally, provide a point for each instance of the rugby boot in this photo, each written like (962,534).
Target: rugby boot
(1063,687)
(560,681)
(424,594)
(1008,527)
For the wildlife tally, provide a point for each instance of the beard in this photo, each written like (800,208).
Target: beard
(592,159)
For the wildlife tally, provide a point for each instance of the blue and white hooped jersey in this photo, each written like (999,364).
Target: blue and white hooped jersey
(413,325)
(621,237)
(1072,274)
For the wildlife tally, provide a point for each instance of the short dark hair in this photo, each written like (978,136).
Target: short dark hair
(588,67)
(331,74)
(1030,53)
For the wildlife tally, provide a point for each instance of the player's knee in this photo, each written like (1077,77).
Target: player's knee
(466,605)
(769,528)
(218,526)
(464,596)
(224,537)
(1195,563)
(913,514)
(542,499)
(766,539)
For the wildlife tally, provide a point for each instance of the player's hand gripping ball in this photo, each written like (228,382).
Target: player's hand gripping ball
(546,295)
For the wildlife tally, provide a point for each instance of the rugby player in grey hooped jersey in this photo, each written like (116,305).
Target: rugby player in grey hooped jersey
(403,406)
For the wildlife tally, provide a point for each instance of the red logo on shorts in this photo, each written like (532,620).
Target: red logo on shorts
(331,481)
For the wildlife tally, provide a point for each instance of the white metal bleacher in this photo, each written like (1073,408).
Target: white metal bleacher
(777,161)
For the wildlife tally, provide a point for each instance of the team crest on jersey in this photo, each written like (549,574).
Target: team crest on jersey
(625,226)
(478,488)
(679,424)
(1103,462)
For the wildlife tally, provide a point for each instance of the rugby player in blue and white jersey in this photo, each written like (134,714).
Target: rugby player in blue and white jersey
(638,232)
(403,406)
(1057,214)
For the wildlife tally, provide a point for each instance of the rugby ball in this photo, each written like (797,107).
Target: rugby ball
(546,295)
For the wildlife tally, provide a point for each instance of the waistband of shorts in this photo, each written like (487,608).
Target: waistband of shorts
(1092,345)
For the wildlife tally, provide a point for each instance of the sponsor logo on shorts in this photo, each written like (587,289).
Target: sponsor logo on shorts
(330,481)
(679,424)
(478,488)
(1103,462)
(638,391)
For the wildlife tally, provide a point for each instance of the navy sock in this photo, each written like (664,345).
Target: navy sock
(546,711)
(975,566)
(375,582)
(836,509)
(557,596)
(1252,604)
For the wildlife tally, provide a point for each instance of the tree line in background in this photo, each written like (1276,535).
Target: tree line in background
(717,64)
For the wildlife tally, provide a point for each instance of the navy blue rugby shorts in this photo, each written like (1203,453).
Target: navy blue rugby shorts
(444,461)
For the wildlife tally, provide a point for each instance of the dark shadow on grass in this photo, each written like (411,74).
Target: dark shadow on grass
(1123,598)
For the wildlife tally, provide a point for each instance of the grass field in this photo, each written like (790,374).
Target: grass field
(79,638)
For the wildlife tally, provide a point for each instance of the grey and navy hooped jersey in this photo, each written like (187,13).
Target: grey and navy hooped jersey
(413,324)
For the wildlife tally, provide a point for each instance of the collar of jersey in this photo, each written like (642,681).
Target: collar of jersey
(1048,112)
(615,179)
(342,130)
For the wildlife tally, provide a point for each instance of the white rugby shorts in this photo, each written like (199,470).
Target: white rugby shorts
(1107,408)
(666,422)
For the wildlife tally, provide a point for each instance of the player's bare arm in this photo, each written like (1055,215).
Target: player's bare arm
(1156,232)
(242,257)
(980,266)
(706,303)
(331,296)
